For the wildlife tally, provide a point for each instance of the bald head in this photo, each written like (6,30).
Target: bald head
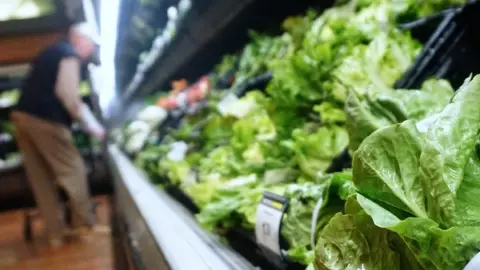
(81,41)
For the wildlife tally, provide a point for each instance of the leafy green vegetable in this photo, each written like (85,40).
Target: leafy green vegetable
(378,64)
(148,160)
(256,55)
(389,171)
(343,50)
(304,199)
(352,241)
(315,148)
(434,247)
(234,204)
(296,224)
(367,113)
(421,184)
(297,26)
(330,113)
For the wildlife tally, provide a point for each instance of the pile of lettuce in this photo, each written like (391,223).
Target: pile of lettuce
(416,205)
(330,94)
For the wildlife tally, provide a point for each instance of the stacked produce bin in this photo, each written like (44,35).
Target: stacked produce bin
(349,141)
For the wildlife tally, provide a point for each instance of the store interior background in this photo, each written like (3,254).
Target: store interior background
(148,48)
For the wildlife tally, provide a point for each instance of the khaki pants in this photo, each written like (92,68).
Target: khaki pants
(51,160)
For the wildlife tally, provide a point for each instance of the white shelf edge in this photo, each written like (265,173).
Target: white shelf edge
(177,240)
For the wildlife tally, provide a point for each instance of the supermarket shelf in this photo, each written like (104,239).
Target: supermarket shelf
(14,71)
(10,83)
(241,240)
(199,28)
(11,166)
(152,215)
(43,24)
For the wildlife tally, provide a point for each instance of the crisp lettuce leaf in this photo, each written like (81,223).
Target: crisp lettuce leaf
(450,143)
(328,196)
(296,223)
(330,113)
(367,113)
(378,64)
(389,170)
(432,175)
(222,209)
(434,247)
(316,148)
(352,241)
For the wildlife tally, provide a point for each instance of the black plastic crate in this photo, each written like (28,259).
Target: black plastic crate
(452,52)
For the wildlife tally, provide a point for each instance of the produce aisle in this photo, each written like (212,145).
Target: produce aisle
(27,28)
(344,137)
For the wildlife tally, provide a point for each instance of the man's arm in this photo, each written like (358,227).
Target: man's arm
(67,86)
(67,91)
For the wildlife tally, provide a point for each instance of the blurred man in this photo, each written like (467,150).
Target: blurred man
(50,102)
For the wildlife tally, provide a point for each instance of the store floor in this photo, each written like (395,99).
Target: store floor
(16,254)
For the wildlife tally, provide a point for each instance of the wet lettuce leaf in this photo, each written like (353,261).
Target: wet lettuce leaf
(434,247)
(378,108)
(328,196)
(352,241)
(419,180)
(316,147)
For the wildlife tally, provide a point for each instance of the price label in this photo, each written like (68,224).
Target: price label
(474,263)
(178,151)
(269,220)
(182,99)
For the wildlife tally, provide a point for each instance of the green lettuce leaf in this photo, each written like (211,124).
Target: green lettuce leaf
(385,167)
(296,223)
(353,241)
(367,113)
(316,148)
(432,175)
(450,143)
(303,200)
(434,248)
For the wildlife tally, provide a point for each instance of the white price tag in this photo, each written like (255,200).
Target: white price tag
(5,102)
(178,151)
(270,211)
(182,99)
(474,263)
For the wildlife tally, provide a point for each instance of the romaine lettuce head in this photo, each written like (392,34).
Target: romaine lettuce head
(420,180)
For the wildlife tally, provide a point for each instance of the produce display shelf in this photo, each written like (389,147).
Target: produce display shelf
(241,240)
(195,32)
(154,217)
(12,166)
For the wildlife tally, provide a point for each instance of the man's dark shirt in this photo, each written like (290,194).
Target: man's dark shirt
(38,96)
